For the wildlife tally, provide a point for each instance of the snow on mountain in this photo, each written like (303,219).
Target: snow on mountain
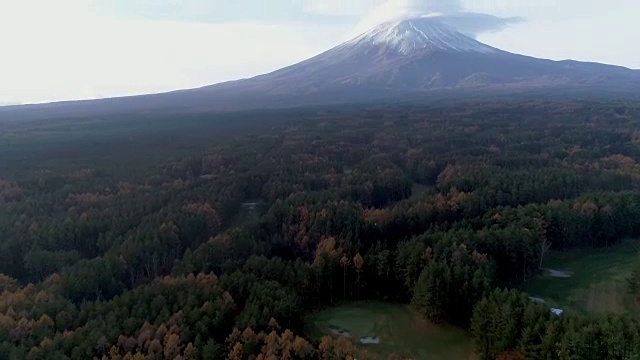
(418,34)
(423,54)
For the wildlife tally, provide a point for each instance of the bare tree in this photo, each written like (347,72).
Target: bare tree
(344,262)
(545,245)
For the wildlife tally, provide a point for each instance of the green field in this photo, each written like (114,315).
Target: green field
(597,282)
(400,330)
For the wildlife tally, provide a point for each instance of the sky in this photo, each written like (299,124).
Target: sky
(86,49)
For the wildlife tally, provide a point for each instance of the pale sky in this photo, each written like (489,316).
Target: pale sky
(83,49)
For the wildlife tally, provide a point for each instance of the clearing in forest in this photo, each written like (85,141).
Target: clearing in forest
(592,281)
(383,329)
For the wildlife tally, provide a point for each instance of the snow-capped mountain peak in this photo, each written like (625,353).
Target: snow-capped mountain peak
(398,60)
(418,34)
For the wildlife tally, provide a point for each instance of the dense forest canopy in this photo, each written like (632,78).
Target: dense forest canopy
(211,236)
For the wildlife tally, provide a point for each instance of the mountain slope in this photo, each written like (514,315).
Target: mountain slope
(396,59)
(425,54)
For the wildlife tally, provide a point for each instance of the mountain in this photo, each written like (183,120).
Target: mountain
(412,57)
(425,54)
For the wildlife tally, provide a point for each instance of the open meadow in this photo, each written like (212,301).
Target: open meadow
(398,328)
(588,281)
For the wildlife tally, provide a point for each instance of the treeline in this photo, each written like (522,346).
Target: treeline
(508,325)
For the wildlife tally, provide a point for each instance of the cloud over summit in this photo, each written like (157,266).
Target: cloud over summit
(451,12)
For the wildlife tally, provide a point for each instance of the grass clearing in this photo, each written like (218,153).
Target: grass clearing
(597,281)
(399,330)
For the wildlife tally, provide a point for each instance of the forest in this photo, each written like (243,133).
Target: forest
(211,236)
